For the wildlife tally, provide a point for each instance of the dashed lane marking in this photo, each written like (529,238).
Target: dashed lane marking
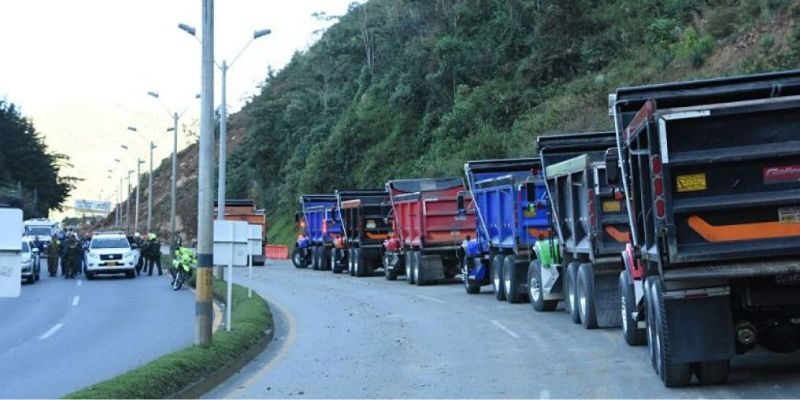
(505,329)
(75,300)
(52,330)
(430,298)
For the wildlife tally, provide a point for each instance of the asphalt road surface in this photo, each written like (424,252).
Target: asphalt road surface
(62,335)
(343,337)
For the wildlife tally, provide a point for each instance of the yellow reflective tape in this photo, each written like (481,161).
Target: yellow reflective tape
(691,183)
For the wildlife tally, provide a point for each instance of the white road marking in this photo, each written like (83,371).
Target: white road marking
(79,282)
(430,298)
(544,394)
(52,330)
(75,300)
(505,329)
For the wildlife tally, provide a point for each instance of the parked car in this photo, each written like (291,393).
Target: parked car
(31,262)
(110,253)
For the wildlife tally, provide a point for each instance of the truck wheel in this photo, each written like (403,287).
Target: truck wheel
(536,291)
(315,258)
(335,266)
(410,261)
(673,374)
(497,277)
(570,292)
(358,263)
(418,269)
(713,372)
(325,259)
(350,267)
(586,296)
(297,258)
(470,286)
(511,279)
(634,335)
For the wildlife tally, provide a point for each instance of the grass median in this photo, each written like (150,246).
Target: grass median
(172,373)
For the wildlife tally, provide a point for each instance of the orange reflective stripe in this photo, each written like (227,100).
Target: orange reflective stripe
(377,236)
(539,233)
(729,233)
(618,235)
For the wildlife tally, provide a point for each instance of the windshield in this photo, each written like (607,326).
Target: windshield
(25,247)
(110,243)
(38,231)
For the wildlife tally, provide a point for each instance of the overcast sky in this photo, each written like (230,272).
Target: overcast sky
(81,69)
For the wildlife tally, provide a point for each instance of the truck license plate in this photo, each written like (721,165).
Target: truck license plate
(691,183)
(370,224)
(789,215)
(611,206)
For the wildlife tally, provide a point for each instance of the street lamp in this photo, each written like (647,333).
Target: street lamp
(152,146)
(175,117)
(223,122)
(128,203)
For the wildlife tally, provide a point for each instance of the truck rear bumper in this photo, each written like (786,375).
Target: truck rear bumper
(735,270)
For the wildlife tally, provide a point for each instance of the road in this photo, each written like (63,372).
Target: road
(62,335)
(343,337)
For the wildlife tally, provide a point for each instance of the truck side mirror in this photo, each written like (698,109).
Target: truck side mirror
(460,203)
(612,167)
(530,192)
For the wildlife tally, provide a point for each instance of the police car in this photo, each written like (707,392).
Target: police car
(111,253)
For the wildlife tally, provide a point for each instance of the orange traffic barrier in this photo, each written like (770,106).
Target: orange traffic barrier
(276,252)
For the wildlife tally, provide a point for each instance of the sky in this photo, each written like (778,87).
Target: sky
(81,70)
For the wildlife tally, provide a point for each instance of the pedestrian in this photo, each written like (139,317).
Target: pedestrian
(139,244)
(53,254)
(154,251)
(72,257)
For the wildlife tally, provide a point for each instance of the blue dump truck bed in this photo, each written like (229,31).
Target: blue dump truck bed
(322,226)
(507,223)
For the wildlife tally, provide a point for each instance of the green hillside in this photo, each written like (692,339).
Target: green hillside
(414,88)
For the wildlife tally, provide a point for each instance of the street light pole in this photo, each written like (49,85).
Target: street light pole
(150,189)
(128,203)
(223,127)
(139,163)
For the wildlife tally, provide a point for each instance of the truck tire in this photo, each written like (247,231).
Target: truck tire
(713,372)
(389,273)
(336,267)
(350,267)
(315,258)
(586,295)
(325,259)
(470,286)
(673,374)
(359,264)
(497,277)
(410,261)
(634,335)
(570,292)
(511,280)
(535,289)
(297,258)
(418,269)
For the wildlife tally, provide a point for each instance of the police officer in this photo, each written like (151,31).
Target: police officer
(72,256)
(137,240)
(53,253)
(154,253)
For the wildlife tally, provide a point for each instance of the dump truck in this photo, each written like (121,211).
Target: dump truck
(246,210)
(365,226)
(710,170)
(591,226)
(428,229)
(507,225)
(319,219)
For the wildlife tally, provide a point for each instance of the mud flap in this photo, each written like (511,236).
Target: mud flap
(607,299)
(431,268)
(552,282)
(705,328)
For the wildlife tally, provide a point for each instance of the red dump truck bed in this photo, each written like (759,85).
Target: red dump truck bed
(426,212)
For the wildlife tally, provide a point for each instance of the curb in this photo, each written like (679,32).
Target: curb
(207,384)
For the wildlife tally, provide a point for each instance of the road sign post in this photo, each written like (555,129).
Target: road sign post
(10,248)
(255,248)
(230,248)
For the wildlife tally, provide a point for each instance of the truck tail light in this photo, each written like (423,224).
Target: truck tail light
(324,227)
(656,170)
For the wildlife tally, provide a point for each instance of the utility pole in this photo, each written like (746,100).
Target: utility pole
(139,163)
(128,204)
(175,118)
(119,204)
(223,155)
(150,189)
(205,257)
